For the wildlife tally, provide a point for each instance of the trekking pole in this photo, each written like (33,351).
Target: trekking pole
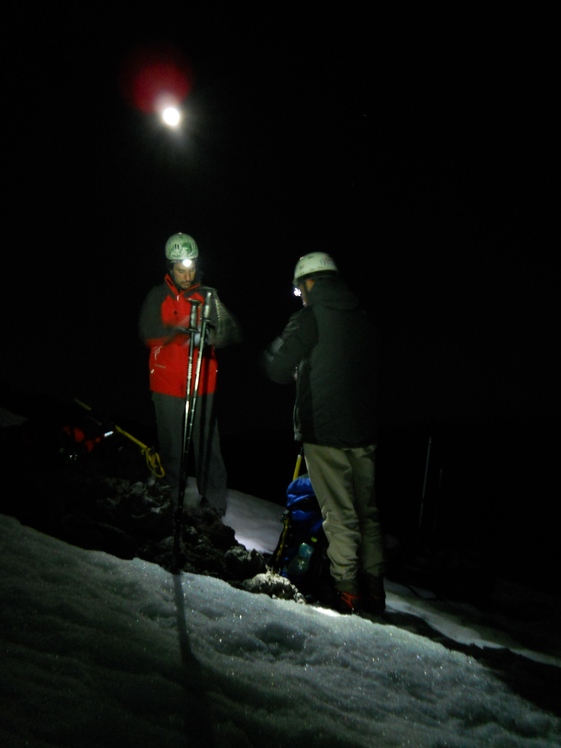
(424,492)
(277,555)
(185,441)
(204,324)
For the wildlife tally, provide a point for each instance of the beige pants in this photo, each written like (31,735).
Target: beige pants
(343,481)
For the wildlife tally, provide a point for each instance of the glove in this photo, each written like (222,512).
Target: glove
(197,335)
(197,339)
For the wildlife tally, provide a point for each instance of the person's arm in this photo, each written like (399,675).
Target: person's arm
(150,326)
(225,328)
(280,360)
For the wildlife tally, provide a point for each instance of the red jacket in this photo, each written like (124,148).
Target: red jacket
(166,309)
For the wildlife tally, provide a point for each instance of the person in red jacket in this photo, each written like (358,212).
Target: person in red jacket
(166,319)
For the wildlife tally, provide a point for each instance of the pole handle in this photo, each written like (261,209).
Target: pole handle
(206,307)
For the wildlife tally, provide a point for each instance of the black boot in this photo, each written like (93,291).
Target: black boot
(373,594)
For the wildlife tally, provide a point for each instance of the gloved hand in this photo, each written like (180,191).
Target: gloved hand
(197,335)
(197,338)
(272,349)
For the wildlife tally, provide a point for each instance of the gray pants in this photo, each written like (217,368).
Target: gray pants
(343,482)
(205,442)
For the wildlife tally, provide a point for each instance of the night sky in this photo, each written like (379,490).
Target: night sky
(416,148)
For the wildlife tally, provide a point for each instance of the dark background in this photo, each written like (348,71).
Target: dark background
(417,147)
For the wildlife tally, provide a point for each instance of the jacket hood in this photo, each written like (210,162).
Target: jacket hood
(332,292)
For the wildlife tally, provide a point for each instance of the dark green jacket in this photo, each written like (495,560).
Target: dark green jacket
(331,349)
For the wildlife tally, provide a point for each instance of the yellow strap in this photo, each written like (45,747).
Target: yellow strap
(152,458)
(297,466)
(132,438)
(154,463)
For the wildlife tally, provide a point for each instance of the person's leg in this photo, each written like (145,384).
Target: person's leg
(210,468)
(170,412)
(331,477)
(371,553)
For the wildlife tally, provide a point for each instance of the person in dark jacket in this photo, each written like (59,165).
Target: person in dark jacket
(330,349)
(166,319)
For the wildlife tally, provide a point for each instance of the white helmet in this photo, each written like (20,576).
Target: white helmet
(315,262)
(181,247)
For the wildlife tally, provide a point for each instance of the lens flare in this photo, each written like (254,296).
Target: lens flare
(154,77)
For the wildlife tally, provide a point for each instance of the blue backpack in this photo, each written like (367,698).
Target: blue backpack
(302,524)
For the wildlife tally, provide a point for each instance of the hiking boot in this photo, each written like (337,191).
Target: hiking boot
(373,594)
(346,602)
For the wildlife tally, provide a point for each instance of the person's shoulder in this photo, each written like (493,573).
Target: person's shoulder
(158,289)
(301,319)
(157,293)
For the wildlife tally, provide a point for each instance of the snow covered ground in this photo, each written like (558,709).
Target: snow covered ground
(103,651)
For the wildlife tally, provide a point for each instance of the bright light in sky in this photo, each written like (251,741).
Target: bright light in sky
(171,116)
(153,70)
